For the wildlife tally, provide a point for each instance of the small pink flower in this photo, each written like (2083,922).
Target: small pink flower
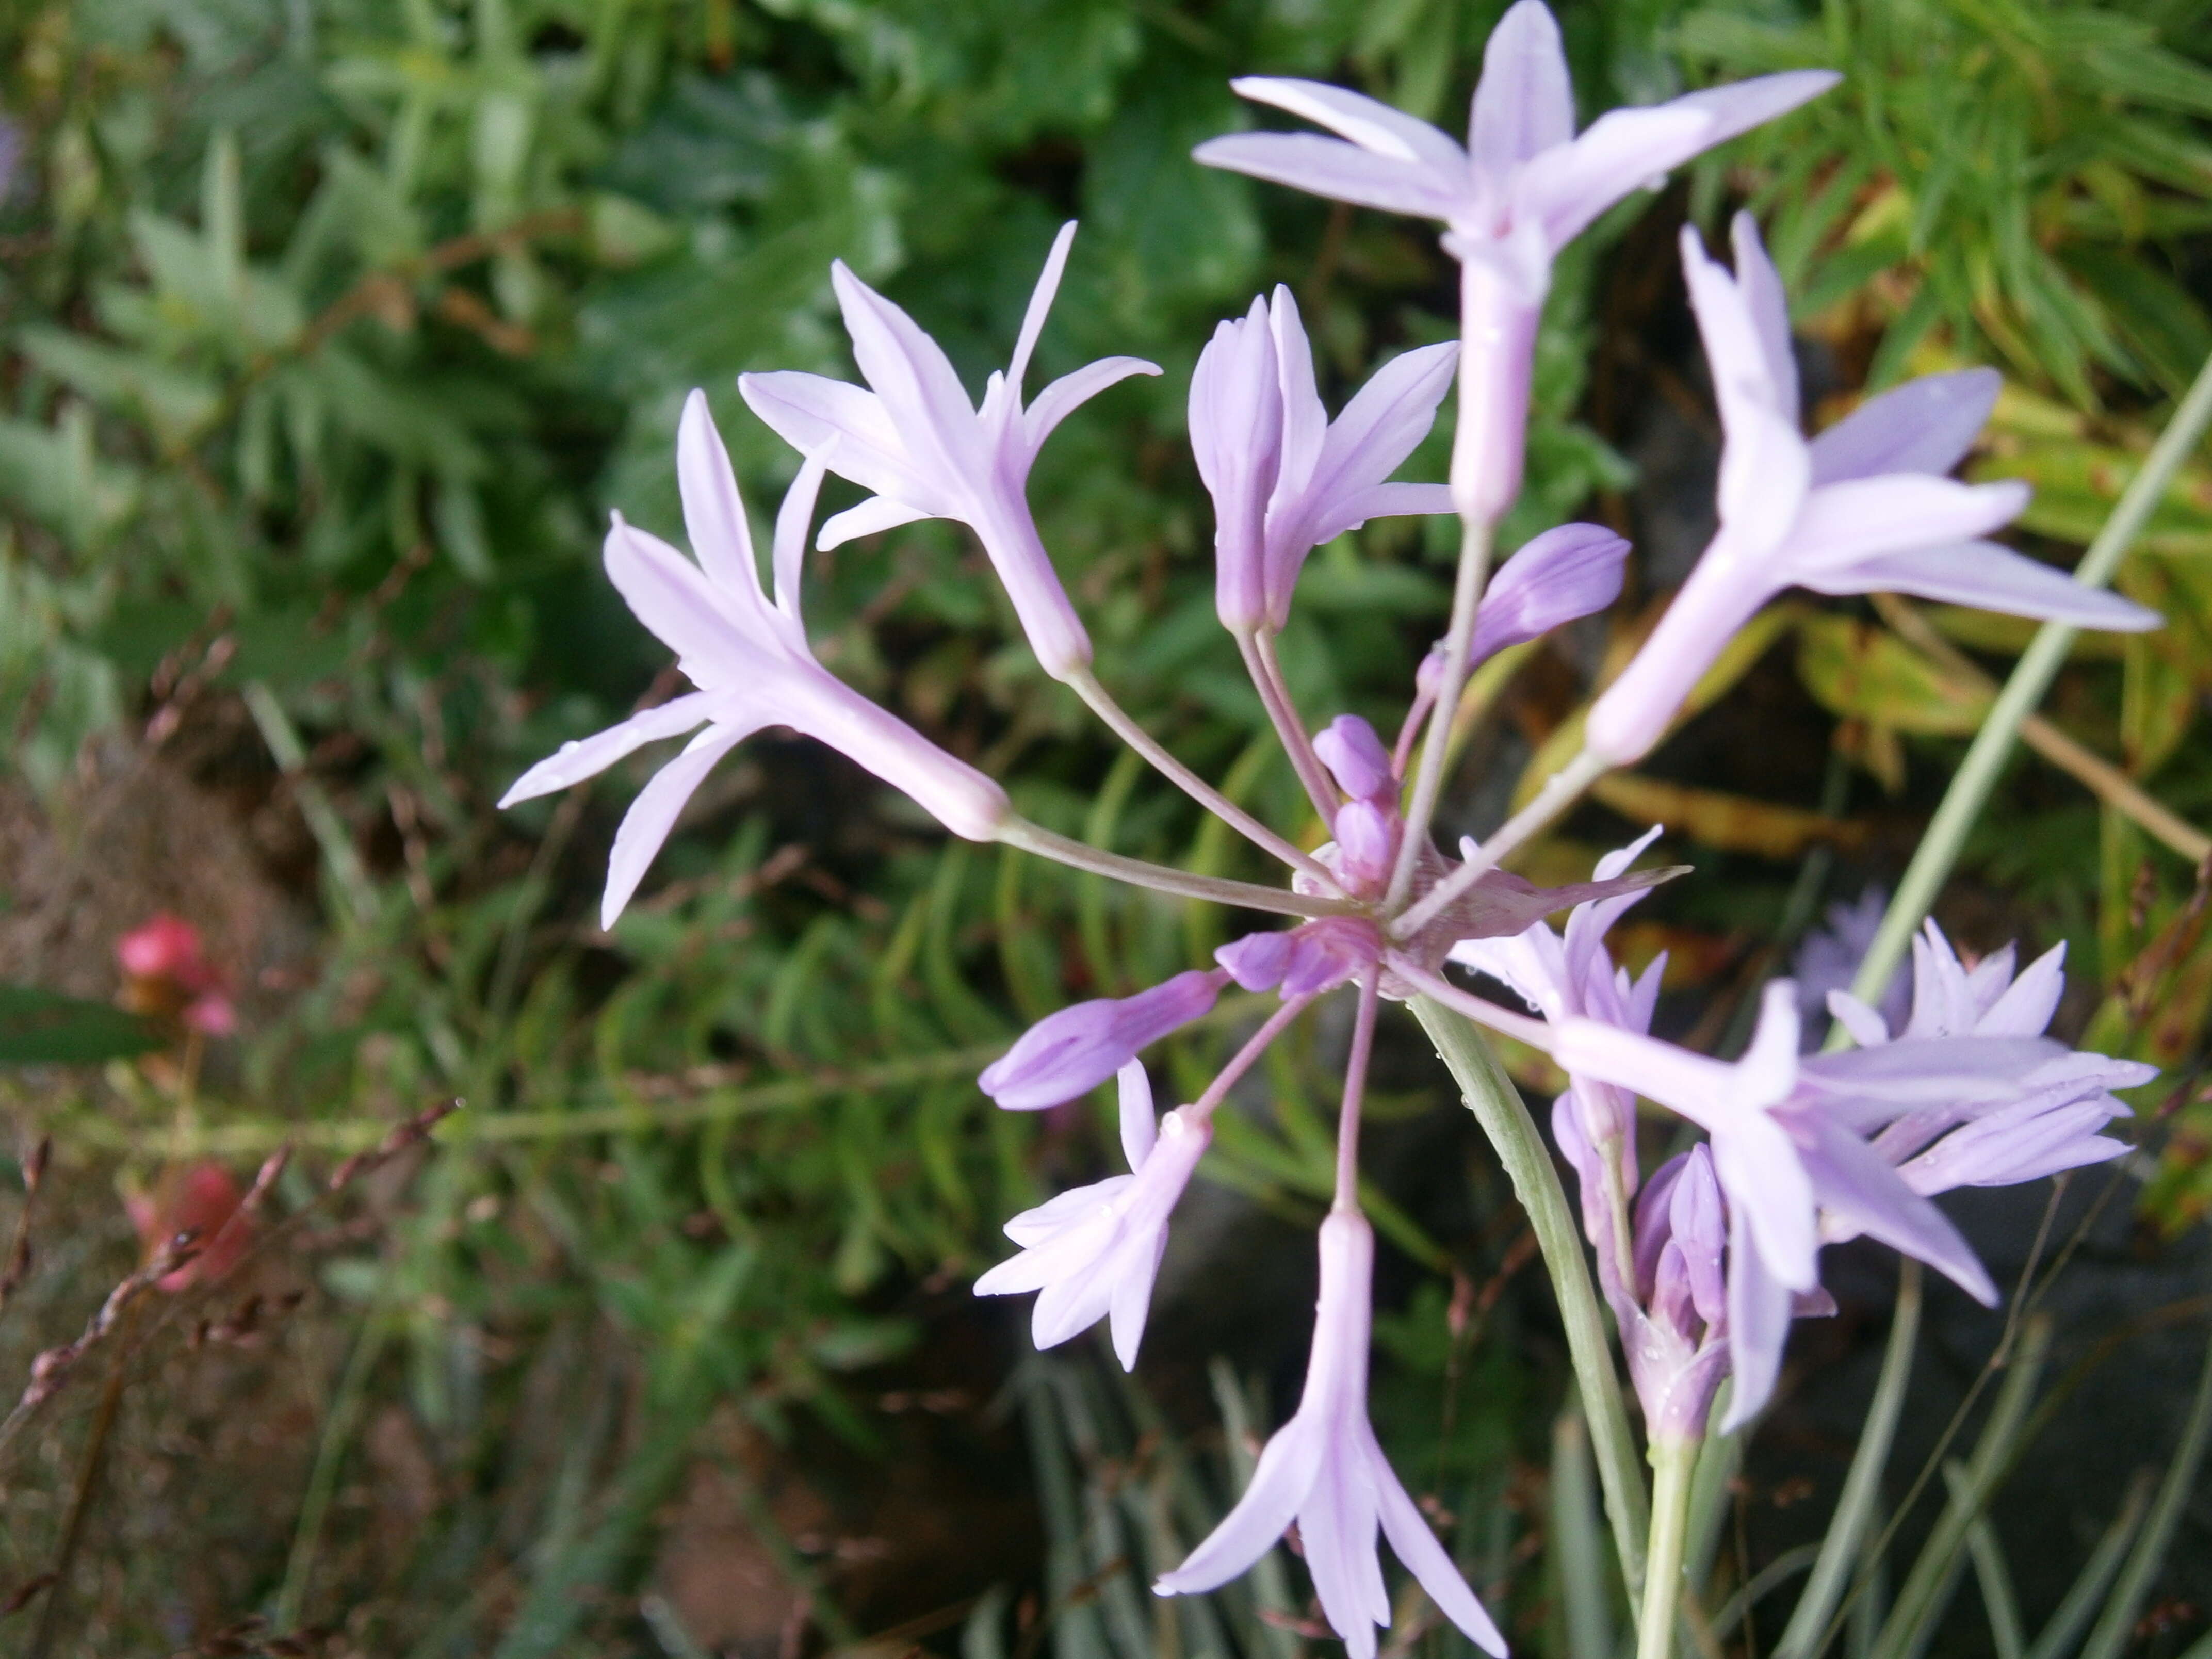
(167,972)
(203,1201)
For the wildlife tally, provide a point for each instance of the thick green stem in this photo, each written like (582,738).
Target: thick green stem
(1673,1463)
(2039,664)
(1497,1106)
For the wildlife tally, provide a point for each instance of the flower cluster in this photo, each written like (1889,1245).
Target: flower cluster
(1706,1261)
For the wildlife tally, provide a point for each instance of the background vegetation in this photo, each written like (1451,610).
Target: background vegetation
(333,329)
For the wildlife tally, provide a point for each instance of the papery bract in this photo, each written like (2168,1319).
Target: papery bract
(927,453)
(1814,515)
(751,661)
(1283,477)
(1325,1470)
(1073,1051)
(1094,1252)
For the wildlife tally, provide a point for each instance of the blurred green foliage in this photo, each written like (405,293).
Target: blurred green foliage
(335,328)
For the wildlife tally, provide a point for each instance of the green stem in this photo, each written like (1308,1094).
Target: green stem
(1139,872)
(2031,678)
(1855,1507)
(1674,1464)
(1118,720)
(1497,1106)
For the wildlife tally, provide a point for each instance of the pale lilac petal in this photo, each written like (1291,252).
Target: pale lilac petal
(1071,391)
(1285,1473)
(1587,928)
(1131,1301)
(1571,572)
(2003,1150)
(921,394)
(1066,1307)
(871,518)
(1384,501)
(1926,425)
(1383,423)
(1689,1084)
(1236,438)
(2027,1006)
(713,512)
(1257,961)
(1868,1028)
(810,412)
(1041,298)
(1764,474)
(1139,1124)
(1761,1172)
(1840,524)
(1768,1069)
(1423,1556)
(574,762)
(672,596)
(1524,103)
(1759,1310)
(645,827)
(1336,1531)
(1305,422)
(1062,1211)
(1993,577)
(1745,378)
(1860,1189)
(1327,166)
(789,554)
(1698,1224)
(1372,125)
(1741,106)
(1761,285)
(1564,189)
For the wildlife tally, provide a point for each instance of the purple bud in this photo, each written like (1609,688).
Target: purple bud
(1256,961)
(1366,845)
(1357,759)
(1326,953)
(1068,1054)
(1564,573)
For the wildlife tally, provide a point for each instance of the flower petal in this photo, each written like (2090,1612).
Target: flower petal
(1140,1127)
(645,827)
(1305,422)
(1761,287)
(714,512)
(1767,1184)
(921,394)
(712,638)
(1071,391)
(1041,298)
(1993,577)
(1374,126)
(1926,425)
(1572,571)
(1841,523)
(1524,103)
(871,518)
(574,762)
(1858,1187)
(808,411)
(2026,1005)
(1759,1309)
(1564,189)
(1284,1474)
(1418,1548)
(1741,106)
(1330,167)
(789,552)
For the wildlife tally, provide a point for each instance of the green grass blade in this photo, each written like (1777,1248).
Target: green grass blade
(1579,1542)
(1990,1572)
(1855,1507)
(2119,1621)
(2056,1638)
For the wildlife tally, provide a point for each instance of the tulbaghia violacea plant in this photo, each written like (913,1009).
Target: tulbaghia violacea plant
(1705,1262)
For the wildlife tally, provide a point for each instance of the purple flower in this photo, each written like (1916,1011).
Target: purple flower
(1073,1051)
(927,453)
(751,662)
(1283,477)
(1325,1470)
(1790,1145)
(1095,1251)
(1822,515)
(1523,188)
(1948,999)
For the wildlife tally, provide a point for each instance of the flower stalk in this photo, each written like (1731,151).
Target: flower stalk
(1674,1464)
